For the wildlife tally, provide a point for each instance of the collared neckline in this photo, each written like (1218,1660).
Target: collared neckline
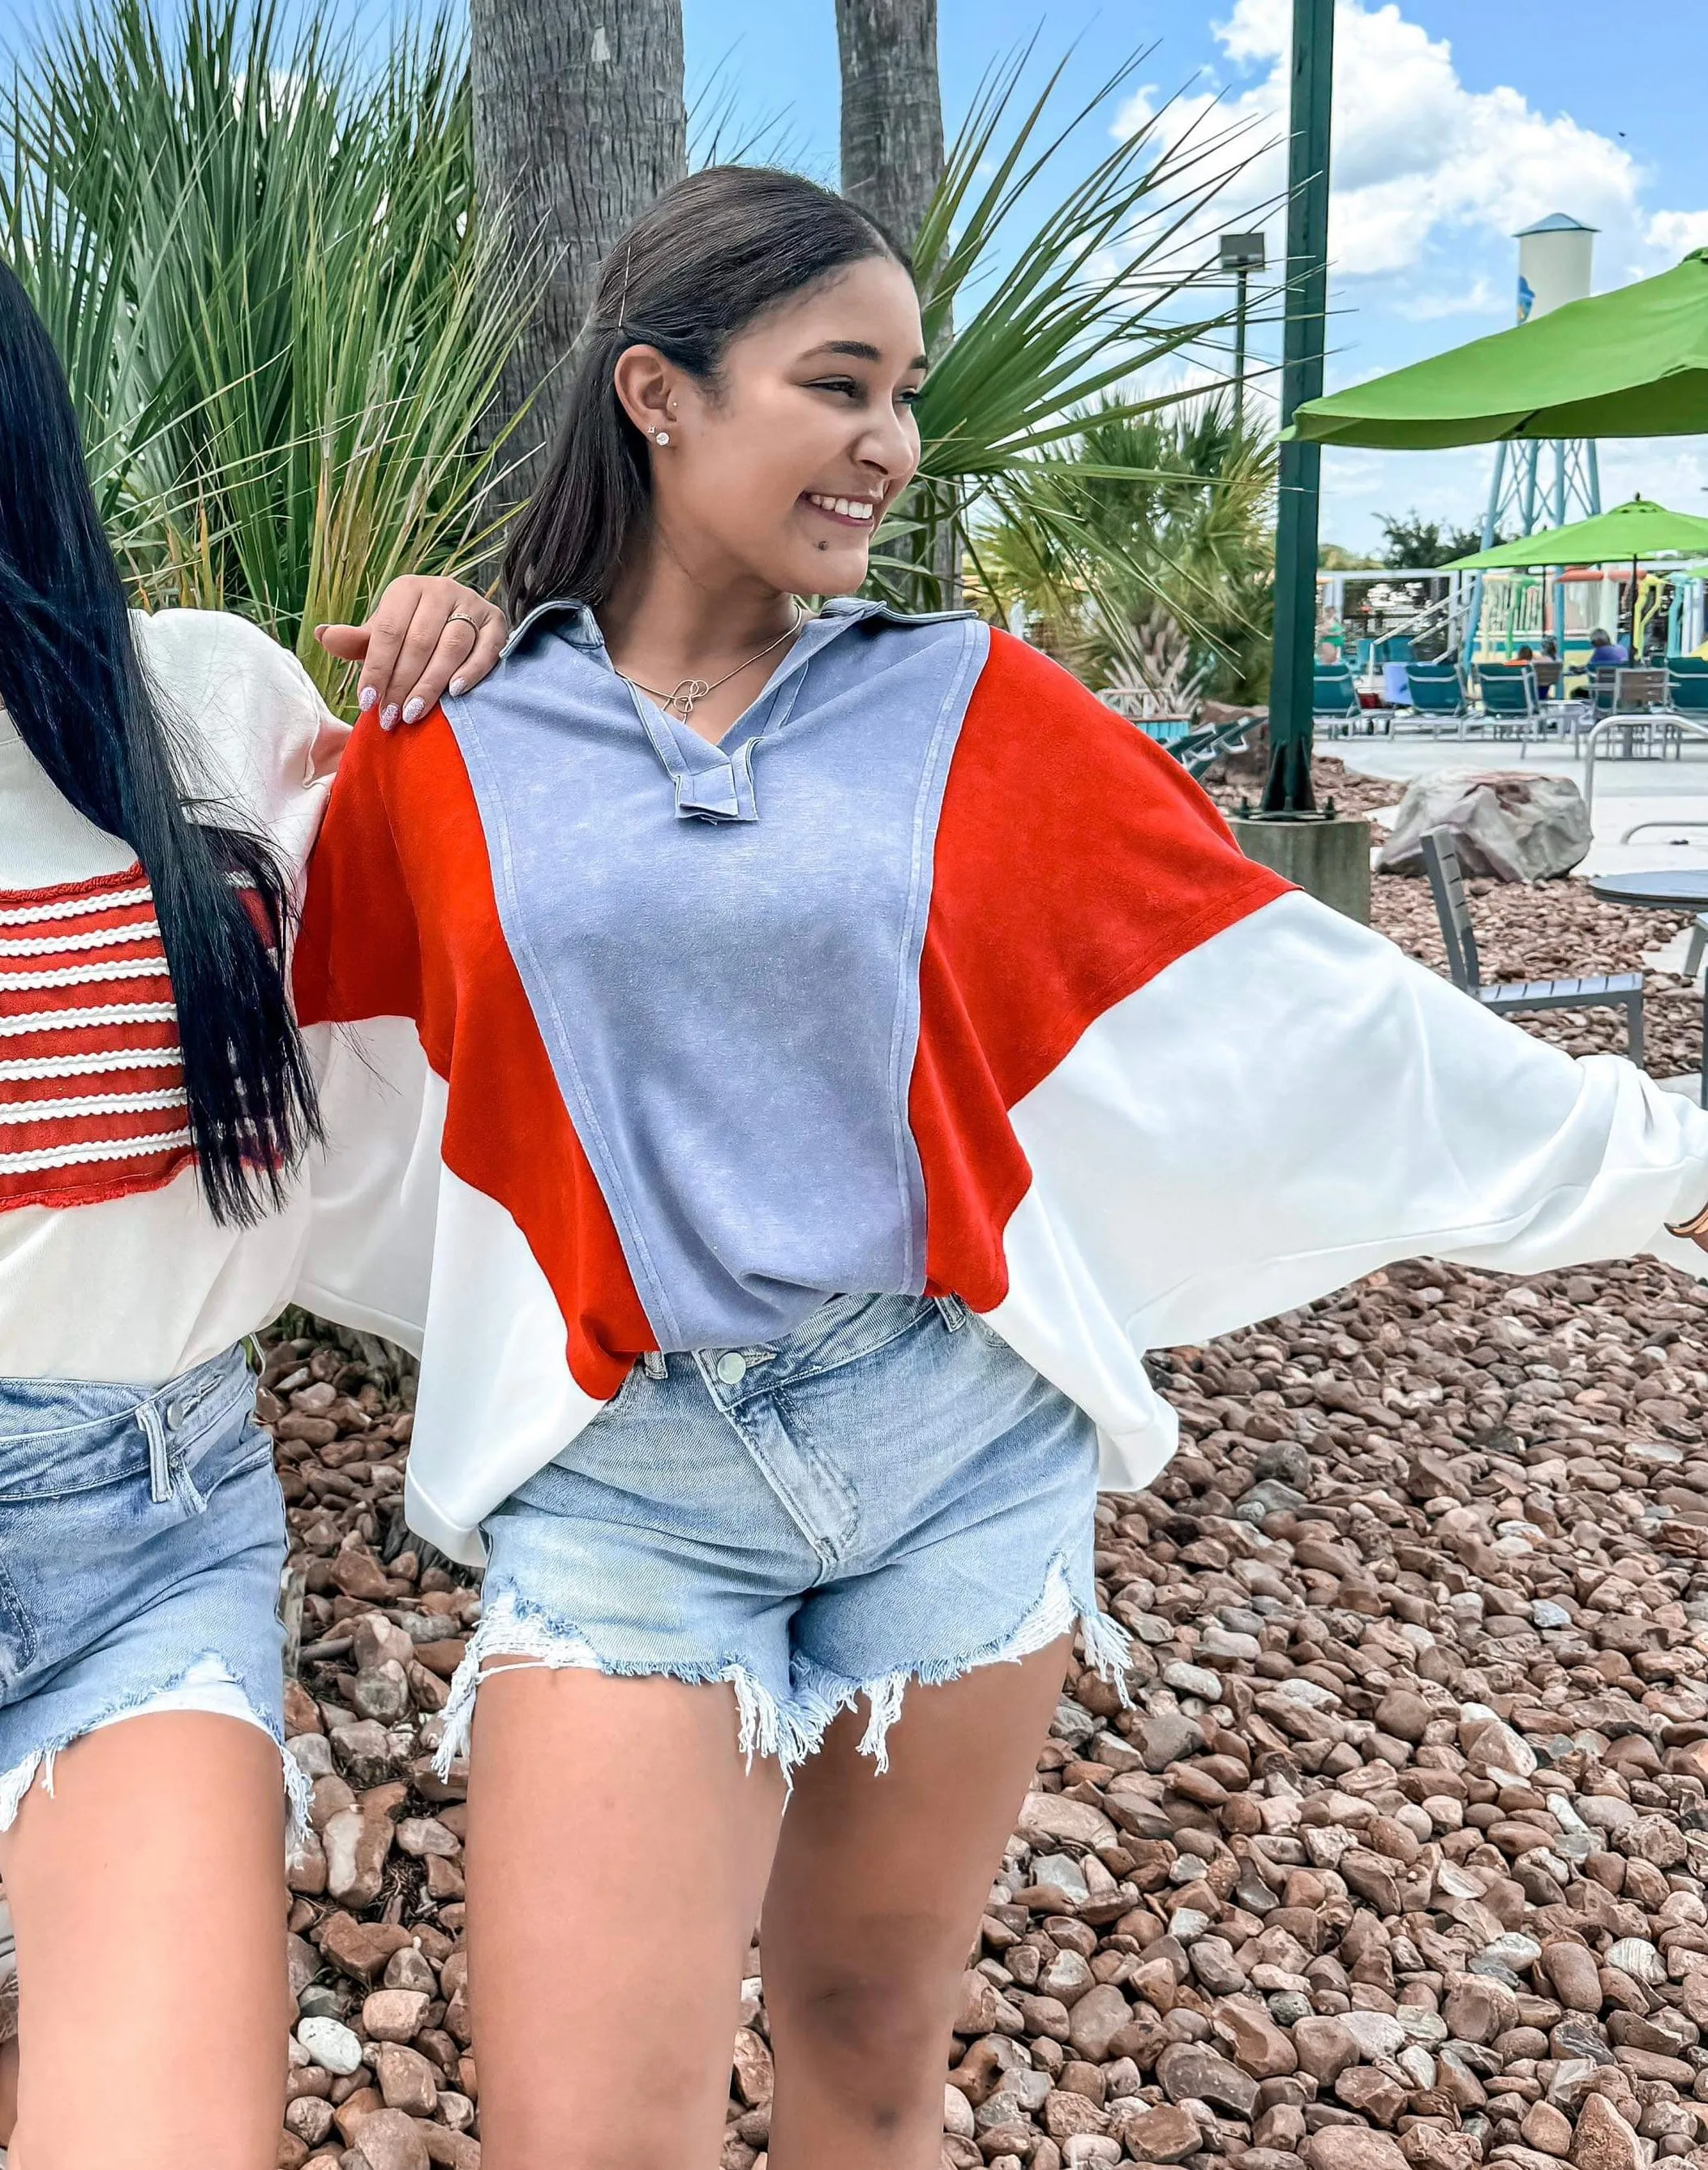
(714,782)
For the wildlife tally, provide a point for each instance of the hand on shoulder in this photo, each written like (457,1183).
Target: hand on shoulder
(426,638)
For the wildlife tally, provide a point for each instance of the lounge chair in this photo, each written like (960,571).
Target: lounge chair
(1687,685)
(1511,702)
(1438,693)
(1335,697)
(1600,991)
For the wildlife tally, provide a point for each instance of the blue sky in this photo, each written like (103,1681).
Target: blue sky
(1456,122)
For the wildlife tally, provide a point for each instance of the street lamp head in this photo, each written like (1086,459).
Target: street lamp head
(1242,252)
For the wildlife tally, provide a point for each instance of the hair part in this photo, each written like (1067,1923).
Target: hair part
(709,258)
(72,683)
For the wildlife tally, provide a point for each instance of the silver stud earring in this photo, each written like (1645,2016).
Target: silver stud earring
(660,436)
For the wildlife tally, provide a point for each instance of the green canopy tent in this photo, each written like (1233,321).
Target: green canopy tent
(1633,363)
(1639,529)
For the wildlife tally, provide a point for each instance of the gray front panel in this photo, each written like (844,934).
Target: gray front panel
(721,947)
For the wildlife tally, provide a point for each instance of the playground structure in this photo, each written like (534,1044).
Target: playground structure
(1378,617)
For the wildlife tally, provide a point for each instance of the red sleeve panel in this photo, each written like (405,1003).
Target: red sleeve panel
(401,920)
(1074,861)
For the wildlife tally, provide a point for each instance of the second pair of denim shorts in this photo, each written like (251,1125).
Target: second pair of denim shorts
(888,1495)
(141,1540)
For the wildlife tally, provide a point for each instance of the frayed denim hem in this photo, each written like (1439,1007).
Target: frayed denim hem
(1057,1612)
(510,1628)
(38,1764)
(790,1730)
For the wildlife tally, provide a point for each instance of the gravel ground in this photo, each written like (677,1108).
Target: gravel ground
(1399,1855)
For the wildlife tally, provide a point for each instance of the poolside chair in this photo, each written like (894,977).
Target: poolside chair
(1202,748)
(1335,697)
(1638,689)
(1687,685)
(1510,701)
(1438,693)
(1601,990)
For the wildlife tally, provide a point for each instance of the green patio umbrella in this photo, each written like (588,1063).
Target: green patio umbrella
(1639,529)
(1633,363)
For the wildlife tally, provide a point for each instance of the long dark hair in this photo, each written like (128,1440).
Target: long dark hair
(72,681)
(712,255)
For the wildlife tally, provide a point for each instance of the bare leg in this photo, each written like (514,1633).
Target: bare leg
(618,1849)
(147,1894)
(874,1901)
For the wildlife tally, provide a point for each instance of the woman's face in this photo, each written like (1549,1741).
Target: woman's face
(782,469)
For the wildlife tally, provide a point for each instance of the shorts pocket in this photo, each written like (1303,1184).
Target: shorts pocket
(78,1563)
(225,1452)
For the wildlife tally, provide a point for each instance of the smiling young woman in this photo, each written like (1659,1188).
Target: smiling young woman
(808,1059)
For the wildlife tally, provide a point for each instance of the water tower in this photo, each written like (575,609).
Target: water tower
(1537,484)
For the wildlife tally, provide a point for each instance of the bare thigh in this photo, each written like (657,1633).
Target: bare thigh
(618,1849)
(148,1897)
(875,1899)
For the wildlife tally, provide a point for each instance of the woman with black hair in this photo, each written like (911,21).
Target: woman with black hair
(161,781)
(807,1057)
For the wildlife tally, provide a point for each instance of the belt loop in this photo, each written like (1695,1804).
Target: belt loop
(653,1364)
(953,1311)
(159,1463)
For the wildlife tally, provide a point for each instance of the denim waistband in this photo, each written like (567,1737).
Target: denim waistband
(842,1329)
(201,1395)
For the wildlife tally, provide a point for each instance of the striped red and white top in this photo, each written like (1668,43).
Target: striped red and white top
(111,1267)
(92,1102)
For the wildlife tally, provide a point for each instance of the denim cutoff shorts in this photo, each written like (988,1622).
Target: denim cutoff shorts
(889,1493)
(141,1542)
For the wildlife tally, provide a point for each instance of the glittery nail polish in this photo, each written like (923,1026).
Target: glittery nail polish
(369,696)
(413,708)
(458,686)
(388,715)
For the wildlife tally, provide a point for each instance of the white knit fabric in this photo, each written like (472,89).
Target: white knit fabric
(141,1288)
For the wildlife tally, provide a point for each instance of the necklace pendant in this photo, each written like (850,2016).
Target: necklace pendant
(687,698)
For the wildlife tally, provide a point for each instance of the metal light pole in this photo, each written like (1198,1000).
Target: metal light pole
(1288,789)
(1241,254)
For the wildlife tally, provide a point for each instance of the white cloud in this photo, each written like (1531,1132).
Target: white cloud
(1419,159)
(1474,300)
(1675,233)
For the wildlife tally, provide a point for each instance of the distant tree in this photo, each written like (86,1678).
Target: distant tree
(580,121)
(1412,541)
(1332,558)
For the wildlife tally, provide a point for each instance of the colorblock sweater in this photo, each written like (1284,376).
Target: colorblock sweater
(933,976)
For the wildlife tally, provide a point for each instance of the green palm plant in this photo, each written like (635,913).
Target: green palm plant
(280,312)
(1143,554)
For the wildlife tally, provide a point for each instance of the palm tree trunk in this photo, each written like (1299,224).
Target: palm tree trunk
(580,121)
(891,162)
(891,109)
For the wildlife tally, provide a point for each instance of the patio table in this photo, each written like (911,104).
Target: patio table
(1661,889)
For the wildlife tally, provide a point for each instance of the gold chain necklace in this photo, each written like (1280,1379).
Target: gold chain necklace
(686,697)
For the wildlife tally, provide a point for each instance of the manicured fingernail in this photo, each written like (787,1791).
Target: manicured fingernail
(369,696)
(388,715)
(318,630)
(458,685)
(412,708)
